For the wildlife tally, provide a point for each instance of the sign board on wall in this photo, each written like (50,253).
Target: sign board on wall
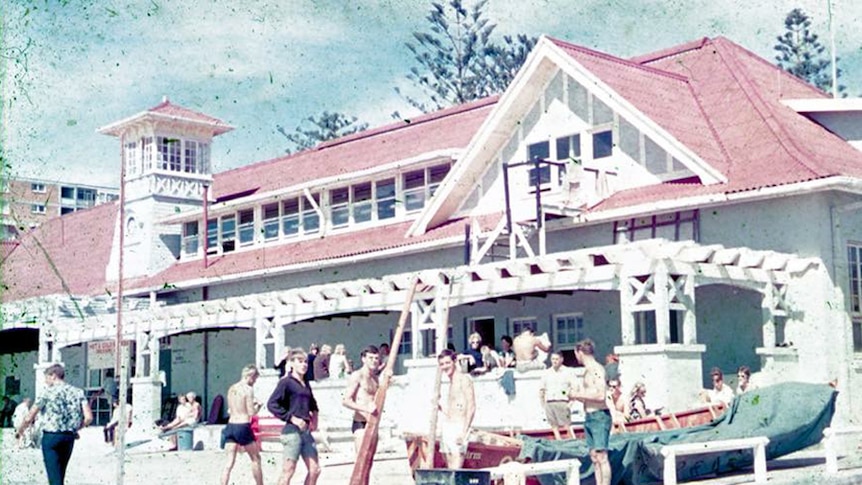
(100,354)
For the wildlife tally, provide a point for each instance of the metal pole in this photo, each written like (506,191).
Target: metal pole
(508,202)
(204,233)
(119,363)
(538,168)
(834,56)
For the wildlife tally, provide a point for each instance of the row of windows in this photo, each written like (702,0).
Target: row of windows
(166,153)
(341,207)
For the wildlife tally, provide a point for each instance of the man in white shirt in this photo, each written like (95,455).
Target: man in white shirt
(720,392)
(556,386)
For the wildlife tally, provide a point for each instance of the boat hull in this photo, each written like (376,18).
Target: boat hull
(489,449)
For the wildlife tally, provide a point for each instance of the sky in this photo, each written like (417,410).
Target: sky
(72,66)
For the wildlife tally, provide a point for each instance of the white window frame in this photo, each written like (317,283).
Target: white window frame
(517,324)
(38,187)
(38,209)
(578,330)
(245,228)
(190,238)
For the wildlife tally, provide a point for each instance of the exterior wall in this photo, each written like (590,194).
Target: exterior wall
(221,362)
(19,366)
(150,247)
(729,323)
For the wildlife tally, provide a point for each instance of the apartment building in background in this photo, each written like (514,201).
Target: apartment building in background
(28,202)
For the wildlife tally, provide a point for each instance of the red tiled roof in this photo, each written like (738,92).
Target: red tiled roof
(168,109)
(739,94)
(663,96)
(342,245)
(64,255)
(449,128)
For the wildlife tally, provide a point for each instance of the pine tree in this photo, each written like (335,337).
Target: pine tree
(324,127)
(457,61)
(800,52)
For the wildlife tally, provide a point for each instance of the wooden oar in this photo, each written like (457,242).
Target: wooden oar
(365,457)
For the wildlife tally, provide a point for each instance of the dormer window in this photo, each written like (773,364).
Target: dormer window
(420,185)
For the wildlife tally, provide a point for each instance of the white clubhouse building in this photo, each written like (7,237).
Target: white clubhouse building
(689,208)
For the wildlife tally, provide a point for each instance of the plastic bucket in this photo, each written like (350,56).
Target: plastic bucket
(185,438)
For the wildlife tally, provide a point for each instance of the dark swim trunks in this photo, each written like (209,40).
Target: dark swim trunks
(358,425)
(239,433)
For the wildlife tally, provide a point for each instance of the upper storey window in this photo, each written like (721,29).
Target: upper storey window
(167,154)
(420,185)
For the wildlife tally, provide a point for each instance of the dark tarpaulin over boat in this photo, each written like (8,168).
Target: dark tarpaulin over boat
(792,415)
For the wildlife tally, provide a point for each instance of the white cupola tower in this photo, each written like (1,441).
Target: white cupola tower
(166,156)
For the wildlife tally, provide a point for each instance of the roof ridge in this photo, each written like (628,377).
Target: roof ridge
(670,51)
(423,118)
(619,60)
(726,51)
(391,127)
(761,60)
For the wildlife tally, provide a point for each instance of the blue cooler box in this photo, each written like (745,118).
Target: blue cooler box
(443,476)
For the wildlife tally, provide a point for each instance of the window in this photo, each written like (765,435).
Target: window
(228,233)
(385,194)
(67,192)
(290,217)
(190,160)
(405,347)
(522,323)
(310,217)
(420,185)
(568,330)
(38,208)
(66,210)
(37,187)
(169,153)
(339,208)
(540,176)
(132,164)
(190,238)
(147,152)
(854,263)
(86,197)
(246,227)
(675,226)
(362,202)
(414,190)
(603,144)
(212,236)
(645,328)
(540,150)
(269,214)
(569,147)
(429,341)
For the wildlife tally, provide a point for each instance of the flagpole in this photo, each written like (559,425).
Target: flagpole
(120,368)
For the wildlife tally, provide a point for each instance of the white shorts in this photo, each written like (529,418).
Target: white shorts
(449,439)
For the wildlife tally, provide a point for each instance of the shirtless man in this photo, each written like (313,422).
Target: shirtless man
(525,347)
(597,422)
(237,433)
(361,390)
(458,413)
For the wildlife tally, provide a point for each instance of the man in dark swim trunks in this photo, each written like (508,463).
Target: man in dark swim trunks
(361,389)
(237,433)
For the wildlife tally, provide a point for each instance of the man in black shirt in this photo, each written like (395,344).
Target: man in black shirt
(294,403)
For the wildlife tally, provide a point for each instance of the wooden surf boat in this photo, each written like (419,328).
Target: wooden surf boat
(491,448)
